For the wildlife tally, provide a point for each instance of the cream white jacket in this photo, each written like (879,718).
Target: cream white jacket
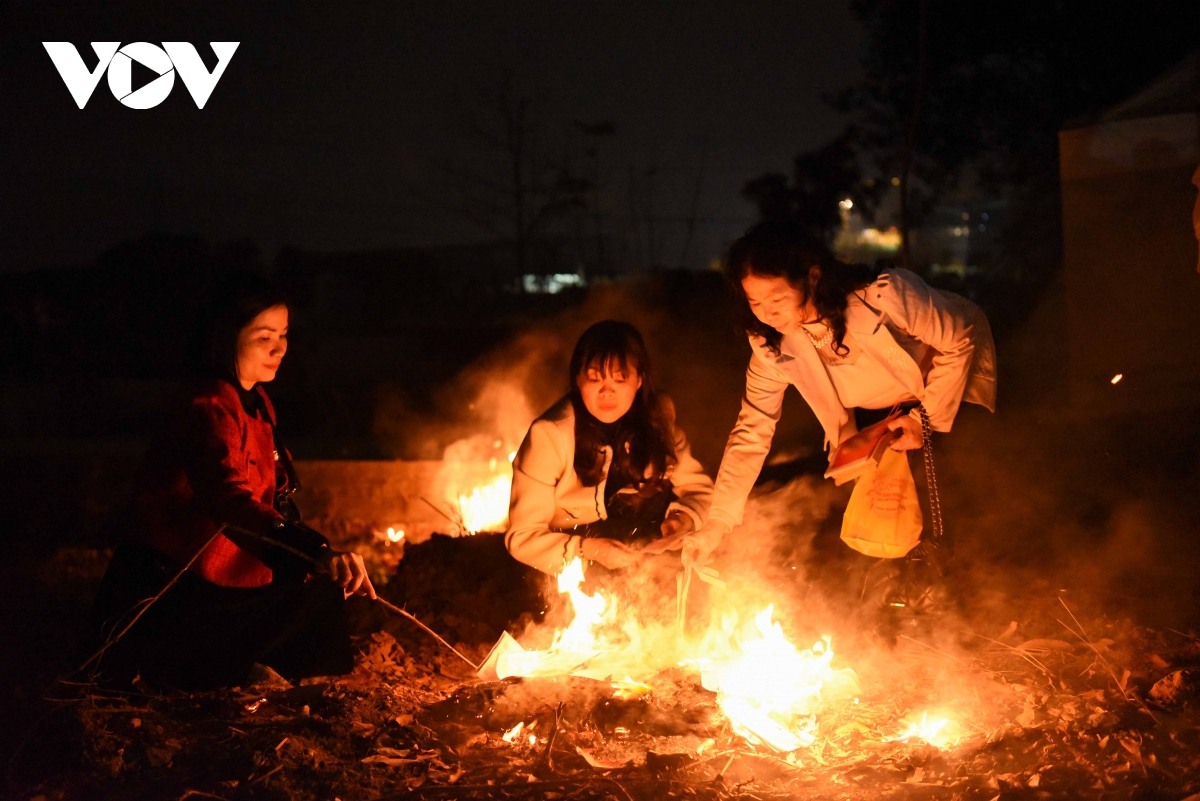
(902,323)
(548,500)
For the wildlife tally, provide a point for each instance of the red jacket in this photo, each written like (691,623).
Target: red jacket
(215,465)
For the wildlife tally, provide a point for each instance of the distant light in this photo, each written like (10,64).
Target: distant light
(982,227)
(1116,379)
(551,284)
(895,182)
(846,204)
(883,240)
(966,215)
(984,216)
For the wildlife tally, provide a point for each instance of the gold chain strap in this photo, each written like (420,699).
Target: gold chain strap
(935,501)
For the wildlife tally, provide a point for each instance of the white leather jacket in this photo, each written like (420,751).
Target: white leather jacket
(902,323)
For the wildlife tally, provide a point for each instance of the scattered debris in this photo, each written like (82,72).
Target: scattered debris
(1105,714)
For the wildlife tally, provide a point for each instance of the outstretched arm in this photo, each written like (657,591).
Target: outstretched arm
(745,452)
(750,440)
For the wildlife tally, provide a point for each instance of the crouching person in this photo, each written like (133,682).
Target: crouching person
(213,494)
(605,470)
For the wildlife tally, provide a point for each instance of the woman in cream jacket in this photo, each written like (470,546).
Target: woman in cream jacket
(853,344)
(605,469)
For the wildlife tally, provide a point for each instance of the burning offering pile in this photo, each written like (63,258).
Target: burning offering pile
(606,699)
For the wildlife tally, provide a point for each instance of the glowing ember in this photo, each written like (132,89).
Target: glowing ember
(627,689)
(938,732)
(1116,379)
(395,534)
(513,733)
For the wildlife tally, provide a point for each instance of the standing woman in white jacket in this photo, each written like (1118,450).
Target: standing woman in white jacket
(605,469)
(855,345)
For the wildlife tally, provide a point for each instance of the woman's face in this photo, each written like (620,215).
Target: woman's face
(261,346)
(779,304)
(608,391)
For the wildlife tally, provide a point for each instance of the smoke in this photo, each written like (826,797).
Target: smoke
(699,360)
(1037,499)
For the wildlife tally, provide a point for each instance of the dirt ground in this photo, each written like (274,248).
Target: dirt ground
(1062,707)
(1070,664)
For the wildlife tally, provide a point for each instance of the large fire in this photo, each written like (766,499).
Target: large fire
(770,690)
(774,694)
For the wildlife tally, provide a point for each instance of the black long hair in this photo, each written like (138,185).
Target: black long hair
(644,437)
(779,248)
(232,305)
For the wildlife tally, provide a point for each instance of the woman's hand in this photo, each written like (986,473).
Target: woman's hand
(698,545)
(348,570)
(909,435)
(677,524)
(611,554)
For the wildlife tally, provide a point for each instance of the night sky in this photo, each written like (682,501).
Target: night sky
(331,122)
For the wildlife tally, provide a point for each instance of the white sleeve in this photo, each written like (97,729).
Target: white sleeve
(750,440)
(934,318)
(540,464)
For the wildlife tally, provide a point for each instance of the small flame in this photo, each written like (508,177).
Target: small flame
(936,731)
(513,733)
(627,689)
(589,611)
(486,507)
(1116,379)
(395,534)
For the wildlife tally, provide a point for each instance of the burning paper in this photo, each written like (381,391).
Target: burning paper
(572,646)
(769,688)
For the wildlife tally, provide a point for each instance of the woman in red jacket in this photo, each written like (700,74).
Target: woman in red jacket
(214,492)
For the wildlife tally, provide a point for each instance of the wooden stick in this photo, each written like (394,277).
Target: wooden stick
(383,603)
(437,509)
(426,629)
(146,604)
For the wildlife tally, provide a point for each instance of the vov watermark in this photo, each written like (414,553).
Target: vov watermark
(117,61)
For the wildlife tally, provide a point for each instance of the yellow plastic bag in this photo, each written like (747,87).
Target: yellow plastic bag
(883,518)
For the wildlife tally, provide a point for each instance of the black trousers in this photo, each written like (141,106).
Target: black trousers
(200,635)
